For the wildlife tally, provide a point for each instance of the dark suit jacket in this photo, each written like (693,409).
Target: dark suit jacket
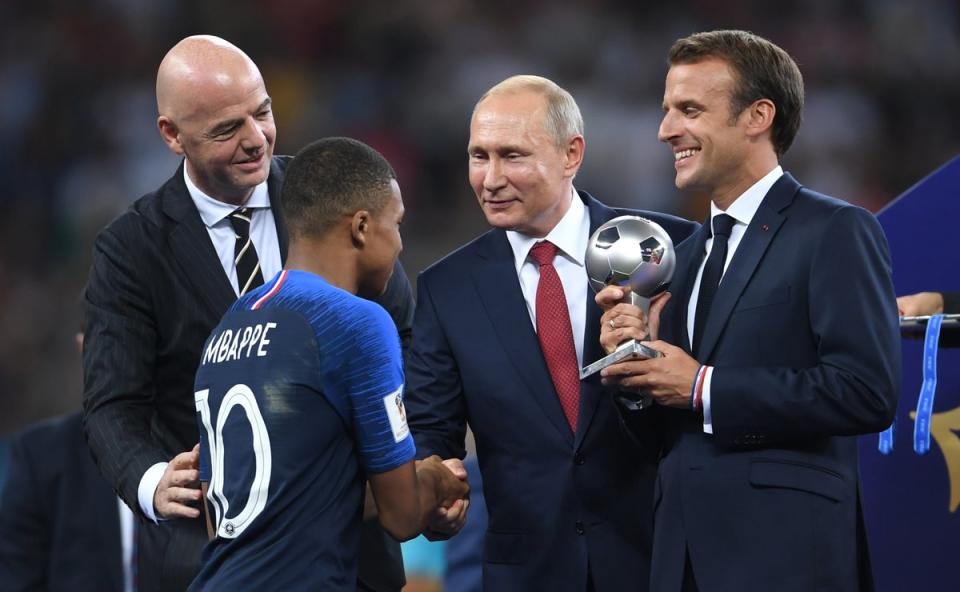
(59,521)
(558,502)
(804,339)
(951,302)
(155,292)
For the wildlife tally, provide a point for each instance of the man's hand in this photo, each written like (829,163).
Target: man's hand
(178,486)
(921,304)
(668,378)
(622,321)
(453,496)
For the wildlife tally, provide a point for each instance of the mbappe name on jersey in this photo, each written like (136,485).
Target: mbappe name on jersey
(233,344)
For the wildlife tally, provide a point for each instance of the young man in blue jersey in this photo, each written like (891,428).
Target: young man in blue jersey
(299,393)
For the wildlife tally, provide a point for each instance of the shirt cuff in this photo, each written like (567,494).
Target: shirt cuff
(705,401)
(148,487)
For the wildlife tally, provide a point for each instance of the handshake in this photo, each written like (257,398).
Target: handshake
(428,496)
(452,495)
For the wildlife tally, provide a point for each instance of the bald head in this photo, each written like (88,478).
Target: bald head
(196,67)
(216,113)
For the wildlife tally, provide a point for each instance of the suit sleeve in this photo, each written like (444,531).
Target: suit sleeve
(25,529)
(118,366)
(397,299)
(951,302)
(435,400)
(853,388)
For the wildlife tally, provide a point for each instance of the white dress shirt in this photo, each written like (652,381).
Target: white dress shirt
(742,210)
(570,235)
(263,230)
(127,543)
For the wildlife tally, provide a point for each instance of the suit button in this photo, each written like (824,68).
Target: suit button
(579,459)
(580,527)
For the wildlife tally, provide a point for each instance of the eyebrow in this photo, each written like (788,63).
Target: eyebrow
(505,149)
(683,105)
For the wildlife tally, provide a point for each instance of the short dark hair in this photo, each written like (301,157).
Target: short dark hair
(762,71)
(330,178)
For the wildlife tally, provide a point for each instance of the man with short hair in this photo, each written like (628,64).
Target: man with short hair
(502,327)
(780,342)
(163,274)
(299,393)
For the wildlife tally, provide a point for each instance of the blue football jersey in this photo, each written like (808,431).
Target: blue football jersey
(299,396)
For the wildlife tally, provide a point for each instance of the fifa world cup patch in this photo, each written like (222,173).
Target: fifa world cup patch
(396,414)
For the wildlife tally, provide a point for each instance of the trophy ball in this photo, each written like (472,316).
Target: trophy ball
(631,251)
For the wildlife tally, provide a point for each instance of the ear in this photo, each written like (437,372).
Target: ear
(574,156)
(359,227)
(170,134)
(760,117)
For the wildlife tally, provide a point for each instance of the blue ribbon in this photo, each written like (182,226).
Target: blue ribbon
(921,427)
(886,438)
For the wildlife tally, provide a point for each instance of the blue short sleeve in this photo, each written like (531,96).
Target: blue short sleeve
(370,373)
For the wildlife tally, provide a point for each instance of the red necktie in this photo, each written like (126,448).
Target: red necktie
(555,334)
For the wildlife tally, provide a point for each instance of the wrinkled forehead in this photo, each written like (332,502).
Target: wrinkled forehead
(222,95)
(514,114)
(201,76)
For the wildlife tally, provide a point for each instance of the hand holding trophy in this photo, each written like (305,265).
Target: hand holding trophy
(629,251)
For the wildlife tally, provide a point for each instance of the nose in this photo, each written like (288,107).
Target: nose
(668,127)
(493,179)
(253,137)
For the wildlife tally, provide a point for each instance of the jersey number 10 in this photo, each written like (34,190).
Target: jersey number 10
(239,395)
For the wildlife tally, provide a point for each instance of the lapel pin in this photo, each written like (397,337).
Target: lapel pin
(765,227)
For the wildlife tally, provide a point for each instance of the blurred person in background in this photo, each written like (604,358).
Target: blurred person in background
(163,274)
(61,526)
(501,328)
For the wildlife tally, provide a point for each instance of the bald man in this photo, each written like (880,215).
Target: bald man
(163,275)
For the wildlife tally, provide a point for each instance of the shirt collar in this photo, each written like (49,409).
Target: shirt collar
(745,207)
(570,235)
(213,210)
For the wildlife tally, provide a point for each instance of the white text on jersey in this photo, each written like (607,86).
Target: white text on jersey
(232,345)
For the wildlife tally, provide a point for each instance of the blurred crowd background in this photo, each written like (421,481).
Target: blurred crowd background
(78,141)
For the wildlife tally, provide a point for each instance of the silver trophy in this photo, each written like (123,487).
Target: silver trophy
(634,252)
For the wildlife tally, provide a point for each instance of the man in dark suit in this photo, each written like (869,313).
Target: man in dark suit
(501,328)
(60,526)
(163,275)
(768,373)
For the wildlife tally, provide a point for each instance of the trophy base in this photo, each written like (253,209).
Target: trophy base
(629,349)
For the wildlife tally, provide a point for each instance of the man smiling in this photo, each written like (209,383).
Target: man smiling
(163,274)
(779,345)
(501,329)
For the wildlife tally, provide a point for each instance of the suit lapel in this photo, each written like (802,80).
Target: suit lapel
(764,226)
(274,183)
(591,391)
(193,250)
(497,284)
(689,256)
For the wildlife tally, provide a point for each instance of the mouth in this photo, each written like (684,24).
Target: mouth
(252,164)
(498,204)
(681,155)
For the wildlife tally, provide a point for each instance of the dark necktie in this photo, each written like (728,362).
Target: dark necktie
(244,253)
(555,333)
(712,271)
